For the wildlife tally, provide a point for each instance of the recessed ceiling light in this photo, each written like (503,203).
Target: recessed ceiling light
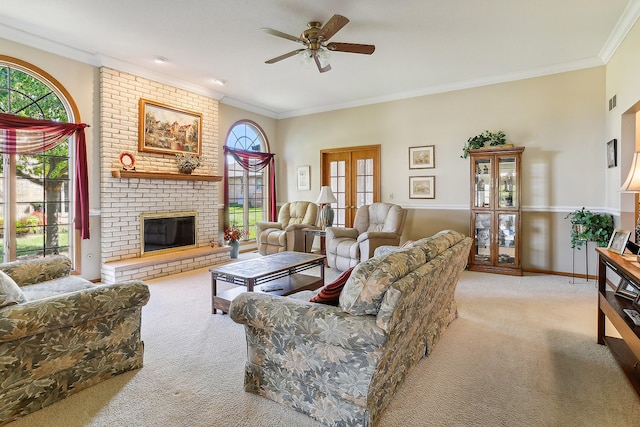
(220,82)
(159,59)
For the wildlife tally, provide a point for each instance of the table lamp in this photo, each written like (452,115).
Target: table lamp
(325,199)
(632,185)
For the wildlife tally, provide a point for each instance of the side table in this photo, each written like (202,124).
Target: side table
(308,232)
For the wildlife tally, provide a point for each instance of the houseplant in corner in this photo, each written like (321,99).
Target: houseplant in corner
(482,140)
(587,225)
(232,236)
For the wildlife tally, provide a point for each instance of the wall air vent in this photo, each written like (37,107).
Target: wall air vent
(612,103)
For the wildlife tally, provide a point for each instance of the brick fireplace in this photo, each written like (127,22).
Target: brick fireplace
(124,199)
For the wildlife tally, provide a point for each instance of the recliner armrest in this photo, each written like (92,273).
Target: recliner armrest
(335,232)
(261,226)
(378,235)
(293,227)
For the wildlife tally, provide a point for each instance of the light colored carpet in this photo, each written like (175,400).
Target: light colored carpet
(522,353)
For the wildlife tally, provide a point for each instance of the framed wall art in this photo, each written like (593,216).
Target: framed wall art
(303,174)
(618,241)
(422,157)
(612,153)
(422,187)
(168,130)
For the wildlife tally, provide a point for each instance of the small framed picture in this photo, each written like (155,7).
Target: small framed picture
(422,157)
(612,153)
(422,187)
(304,178)
(627,290)
(618,241)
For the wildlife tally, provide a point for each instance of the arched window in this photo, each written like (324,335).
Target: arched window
(248,191)
(36,190)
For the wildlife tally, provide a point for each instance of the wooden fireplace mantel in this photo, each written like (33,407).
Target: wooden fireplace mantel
(117,173)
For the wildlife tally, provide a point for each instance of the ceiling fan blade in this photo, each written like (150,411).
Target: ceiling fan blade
(285,56)
(366,49)
(281,34)
(332,26)
(320,67)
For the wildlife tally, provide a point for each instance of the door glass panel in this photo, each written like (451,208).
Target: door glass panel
(483,183)
(483,237)
(364,182)
(506,238)
(337,181)
(507,176)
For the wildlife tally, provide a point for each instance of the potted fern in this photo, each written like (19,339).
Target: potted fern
(587,225)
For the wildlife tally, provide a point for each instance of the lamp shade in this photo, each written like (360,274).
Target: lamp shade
(632,184)
(326,196)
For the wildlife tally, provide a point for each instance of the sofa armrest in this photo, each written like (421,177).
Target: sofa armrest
(64,310)
(336,232)
(317,322)
(36,270)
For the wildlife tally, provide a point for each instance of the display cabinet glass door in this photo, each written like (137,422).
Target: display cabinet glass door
(482,225)
(483,178)
(507,238)
(508,183)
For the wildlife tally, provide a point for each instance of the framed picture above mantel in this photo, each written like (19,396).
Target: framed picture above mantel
(168,130)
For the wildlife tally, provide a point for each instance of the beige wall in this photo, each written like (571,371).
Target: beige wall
(558,119)
(561,119)
(623,81)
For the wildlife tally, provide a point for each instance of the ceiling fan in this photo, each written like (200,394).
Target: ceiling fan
(316,41)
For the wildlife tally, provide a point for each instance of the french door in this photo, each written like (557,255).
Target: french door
(354,176)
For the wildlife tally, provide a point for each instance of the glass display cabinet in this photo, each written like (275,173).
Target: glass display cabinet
(496,210)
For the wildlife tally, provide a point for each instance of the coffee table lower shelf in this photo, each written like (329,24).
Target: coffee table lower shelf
(283,286)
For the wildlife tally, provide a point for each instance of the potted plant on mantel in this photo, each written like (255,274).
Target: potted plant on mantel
(587,225)
(485,139)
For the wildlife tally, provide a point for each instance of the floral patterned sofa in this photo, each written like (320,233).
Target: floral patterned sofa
(341,364)
(63,333)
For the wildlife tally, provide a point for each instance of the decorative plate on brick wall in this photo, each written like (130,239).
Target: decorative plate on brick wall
(127,161)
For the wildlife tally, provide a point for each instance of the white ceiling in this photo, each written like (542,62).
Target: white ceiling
(422,46)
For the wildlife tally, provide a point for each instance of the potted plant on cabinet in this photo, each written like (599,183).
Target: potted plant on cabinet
(482,140)
(587,225)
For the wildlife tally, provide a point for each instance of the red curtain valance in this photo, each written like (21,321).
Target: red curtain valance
(25,135)
(254,161)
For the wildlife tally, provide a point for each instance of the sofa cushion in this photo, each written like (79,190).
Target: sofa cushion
(363,292)
(10,292)
(330,293)
(63,285)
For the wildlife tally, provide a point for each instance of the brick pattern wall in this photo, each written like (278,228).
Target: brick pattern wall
(123,200)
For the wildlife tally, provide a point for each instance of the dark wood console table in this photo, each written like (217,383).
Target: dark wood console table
(625,350)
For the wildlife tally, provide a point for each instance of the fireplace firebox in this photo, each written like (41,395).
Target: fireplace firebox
(167,231)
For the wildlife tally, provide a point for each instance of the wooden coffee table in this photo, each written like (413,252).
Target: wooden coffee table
(277,274)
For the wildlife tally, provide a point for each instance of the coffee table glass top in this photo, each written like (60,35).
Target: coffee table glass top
(266,265)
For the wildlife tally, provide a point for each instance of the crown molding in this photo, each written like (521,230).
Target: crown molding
(623,26)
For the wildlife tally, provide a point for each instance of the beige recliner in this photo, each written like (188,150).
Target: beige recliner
(375,225)
(288,233)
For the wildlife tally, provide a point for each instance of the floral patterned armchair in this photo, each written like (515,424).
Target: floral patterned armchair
(62,333)
(341,365)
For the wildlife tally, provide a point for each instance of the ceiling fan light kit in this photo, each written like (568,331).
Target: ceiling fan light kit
(316,41)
